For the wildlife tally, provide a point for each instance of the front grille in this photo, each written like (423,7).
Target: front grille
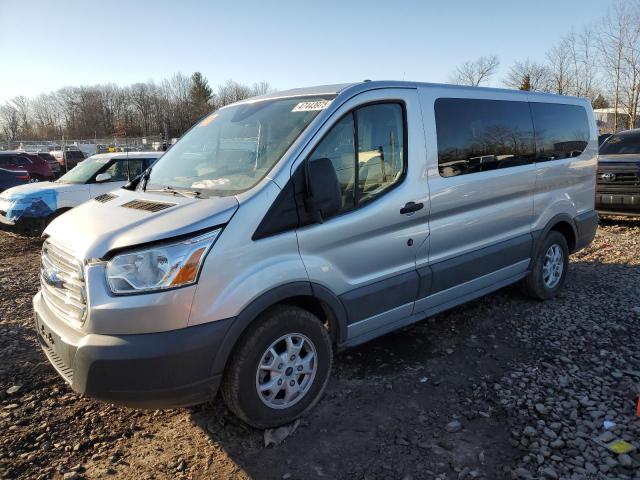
(618,179)
(147,205)
(62,283)
(105,197)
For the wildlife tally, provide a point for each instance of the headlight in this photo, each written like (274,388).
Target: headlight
(161,267)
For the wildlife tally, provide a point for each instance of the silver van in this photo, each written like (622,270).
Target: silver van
(285,227)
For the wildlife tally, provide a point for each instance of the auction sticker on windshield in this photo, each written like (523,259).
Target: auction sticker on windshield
(311,106)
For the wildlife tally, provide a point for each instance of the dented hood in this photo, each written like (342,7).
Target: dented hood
(98,226)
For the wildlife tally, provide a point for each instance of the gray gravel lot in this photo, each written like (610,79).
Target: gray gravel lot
(503,387)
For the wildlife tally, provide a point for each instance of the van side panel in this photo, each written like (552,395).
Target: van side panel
(566,186)
(480,223)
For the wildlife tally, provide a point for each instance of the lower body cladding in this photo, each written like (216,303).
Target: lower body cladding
(152,370)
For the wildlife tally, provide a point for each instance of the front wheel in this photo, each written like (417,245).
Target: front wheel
(549,268)
(279,369)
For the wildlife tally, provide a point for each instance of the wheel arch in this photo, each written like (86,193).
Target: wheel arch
(314,298)
(562,223)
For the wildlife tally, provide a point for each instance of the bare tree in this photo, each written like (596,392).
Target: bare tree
(535,74)
(613,40)
(558,64)
(10,121)
(108,110)
(476,72)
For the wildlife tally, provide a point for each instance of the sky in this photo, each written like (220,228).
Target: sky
(48,44)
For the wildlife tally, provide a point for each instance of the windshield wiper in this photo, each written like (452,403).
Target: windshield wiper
(175,191)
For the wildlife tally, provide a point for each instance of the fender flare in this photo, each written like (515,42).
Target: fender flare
(268,299)
(540,235)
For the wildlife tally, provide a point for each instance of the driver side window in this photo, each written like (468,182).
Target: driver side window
(366,148)
(118,171)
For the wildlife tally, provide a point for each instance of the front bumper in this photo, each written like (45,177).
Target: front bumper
(619,204)
(5,220)
(152,370)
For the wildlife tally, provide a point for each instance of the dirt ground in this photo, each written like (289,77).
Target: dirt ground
(503,387)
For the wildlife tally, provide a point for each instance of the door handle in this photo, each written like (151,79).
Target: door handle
(411,207)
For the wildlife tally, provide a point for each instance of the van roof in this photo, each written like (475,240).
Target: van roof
(339,88)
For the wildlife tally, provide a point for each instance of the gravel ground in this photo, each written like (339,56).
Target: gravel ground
(503,387)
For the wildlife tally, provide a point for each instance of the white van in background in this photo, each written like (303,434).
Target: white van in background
(284,227)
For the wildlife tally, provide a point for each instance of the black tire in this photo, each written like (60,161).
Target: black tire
(239,389)
(534,284)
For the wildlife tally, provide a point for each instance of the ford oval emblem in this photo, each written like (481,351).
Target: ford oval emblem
(52,277)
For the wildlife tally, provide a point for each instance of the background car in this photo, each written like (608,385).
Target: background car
(39,170)
(12,178)
(30,208)
(53,163)
(603,138)
(68,158)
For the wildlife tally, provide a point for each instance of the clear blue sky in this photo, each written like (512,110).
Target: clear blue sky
(48,44)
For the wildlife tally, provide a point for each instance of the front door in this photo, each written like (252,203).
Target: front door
(366,254)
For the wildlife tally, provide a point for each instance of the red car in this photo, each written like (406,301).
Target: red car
(53,163)
(39,170)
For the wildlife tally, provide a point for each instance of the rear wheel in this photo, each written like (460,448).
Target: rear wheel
(549,268)
(279,369)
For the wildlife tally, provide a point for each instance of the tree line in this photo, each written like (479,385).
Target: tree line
(599,61)
(99,111)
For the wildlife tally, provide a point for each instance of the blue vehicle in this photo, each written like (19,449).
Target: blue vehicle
(12,178)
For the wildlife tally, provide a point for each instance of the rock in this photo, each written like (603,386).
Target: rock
(529,431)
(453,426)
(549,472)
(275,436)
(13,389)
(625,460)
(541,409)
(71,476)
(522,473)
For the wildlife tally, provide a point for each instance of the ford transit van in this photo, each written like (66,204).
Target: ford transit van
(285,227)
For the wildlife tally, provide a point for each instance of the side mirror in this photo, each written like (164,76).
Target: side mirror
(103,177)
(323,197)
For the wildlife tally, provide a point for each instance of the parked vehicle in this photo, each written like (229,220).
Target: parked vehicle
(31,207)
(68,158)
(51,161)
(39,170)
(282,228)
(603,138)
(12,178)
(618,179)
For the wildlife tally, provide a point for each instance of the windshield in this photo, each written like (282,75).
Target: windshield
(84,171)
(622,144)
(232,149)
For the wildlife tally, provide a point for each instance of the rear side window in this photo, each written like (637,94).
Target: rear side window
(562,131)
(367,150)
(477,135)
(627,143)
